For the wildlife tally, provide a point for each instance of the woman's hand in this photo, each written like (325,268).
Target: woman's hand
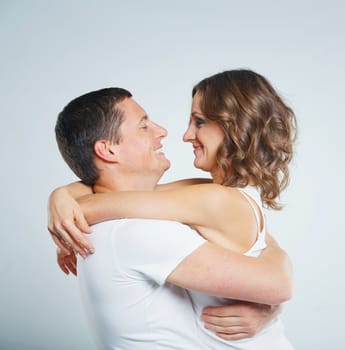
(67,224)
(67,261)
(240,320)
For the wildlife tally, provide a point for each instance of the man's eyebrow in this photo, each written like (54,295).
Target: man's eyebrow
(144,118)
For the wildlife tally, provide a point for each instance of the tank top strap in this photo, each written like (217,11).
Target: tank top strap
(252,194)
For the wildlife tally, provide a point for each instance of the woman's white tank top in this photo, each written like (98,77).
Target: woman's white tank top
(270,338)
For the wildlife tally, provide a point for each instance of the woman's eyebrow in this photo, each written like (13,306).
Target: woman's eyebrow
(197,114)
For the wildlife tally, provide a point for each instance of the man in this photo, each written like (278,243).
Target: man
(134,287)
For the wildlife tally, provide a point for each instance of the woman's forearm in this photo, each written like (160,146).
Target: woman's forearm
(66,222)
(182,183)
(74,190)
(78,189)
(116,205)
(192,205)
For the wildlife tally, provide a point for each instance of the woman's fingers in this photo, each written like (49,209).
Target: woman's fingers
(76,238)
(67,262)
(64,238)
(82,224)
(61,245)
(71,263)
(67,223)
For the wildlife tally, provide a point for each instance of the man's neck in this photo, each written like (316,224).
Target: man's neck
(102,185)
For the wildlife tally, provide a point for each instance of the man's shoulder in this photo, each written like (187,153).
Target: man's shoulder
(145,232)
(137,222)
(150,228)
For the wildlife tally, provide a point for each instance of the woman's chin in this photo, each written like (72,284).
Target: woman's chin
(199,165)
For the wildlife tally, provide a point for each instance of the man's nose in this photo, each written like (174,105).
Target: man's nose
(161,131)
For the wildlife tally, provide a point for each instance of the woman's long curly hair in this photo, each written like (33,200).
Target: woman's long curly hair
(259,130)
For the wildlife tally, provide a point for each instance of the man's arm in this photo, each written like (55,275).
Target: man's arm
(239,320)
(217,271)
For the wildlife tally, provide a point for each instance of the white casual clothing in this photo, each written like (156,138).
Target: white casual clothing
(127,302)
(129,305)
(270,338)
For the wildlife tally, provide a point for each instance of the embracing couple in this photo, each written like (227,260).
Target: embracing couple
(188,264)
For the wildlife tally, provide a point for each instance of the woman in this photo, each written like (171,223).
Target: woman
(242,134)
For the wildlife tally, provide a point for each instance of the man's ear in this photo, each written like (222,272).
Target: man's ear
(105,150)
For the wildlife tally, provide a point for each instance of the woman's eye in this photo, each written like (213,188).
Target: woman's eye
(199,122)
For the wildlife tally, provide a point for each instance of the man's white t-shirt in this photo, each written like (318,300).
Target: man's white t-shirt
(127,302)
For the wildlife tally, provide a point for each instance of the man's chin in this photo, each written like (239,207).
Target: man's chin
(164,168)
(167,165)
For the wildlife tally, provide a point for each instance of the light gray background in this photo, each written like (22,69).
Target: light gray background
(53,51)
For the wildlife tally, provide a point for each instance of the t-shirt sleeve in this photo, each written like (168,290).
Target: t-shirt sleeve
(151,249)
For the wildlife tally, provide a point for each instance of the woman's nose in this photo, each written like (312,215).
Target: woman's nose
(188,134)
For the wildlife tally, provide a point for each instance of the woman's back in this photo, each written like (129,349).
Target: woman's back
(271,337)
